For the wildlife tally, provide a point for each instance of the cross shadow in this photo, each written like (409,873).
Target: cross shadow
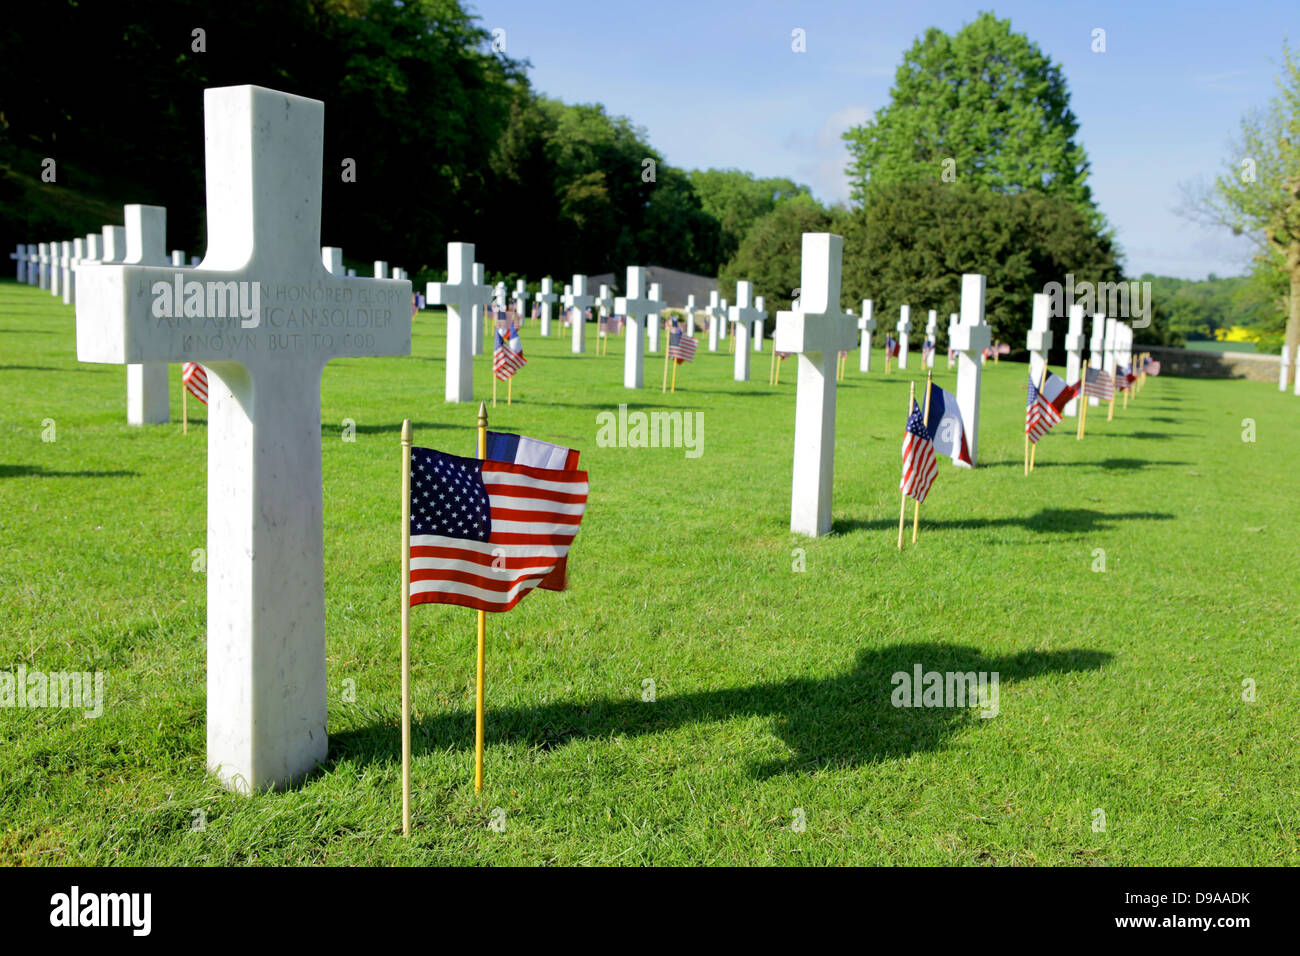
(330,430)
(845,720)
(632,406)
(45,368)
(37,471)
(1164,436)
(1108,464)
(1046,521)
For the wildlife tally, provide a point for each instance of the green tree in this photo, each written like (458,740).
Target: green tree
(737,200)
(909,243)
(985,106)
(1259,191)
(769,255)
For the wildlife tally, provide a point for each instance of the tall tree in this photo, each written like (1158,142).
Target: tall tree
(985,108)
(1259,192)
(769,256)
(737,199)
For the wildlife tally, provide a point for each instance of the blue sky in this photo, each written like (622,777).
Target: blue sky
(715,83)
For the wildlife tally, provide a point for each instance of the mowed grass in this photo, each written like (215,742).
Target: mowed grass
(1121,691)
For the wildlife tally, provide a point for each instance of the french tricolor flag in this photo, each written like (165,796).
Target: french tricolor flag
(946,428)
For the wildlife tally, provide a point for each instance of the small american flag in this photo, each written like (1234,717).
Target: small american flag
(681,346)
(196,380)
(919,465)
(1153,367)
(1099,385)
(485,533)
(508,356)
(1040,414)
(926,348)
(1124,377)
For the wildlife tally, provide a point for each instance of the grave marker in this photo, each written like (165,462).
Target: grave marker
(148,394)
(690,314)
(579,300)
(19,255)
(637,306)
(932,334)
(904,327)
(866,325)
(458,295)
(266,690)
(1074,341)
(1096,357)
(331,258)
(971,336)
(1039,339)
(545,298)
(714,311)
(742,314)
(381,269)
(818,330)
(652,320)
(70,287)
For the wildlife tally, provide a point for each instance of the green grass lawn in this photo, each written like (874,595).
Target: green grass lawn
(1121,691)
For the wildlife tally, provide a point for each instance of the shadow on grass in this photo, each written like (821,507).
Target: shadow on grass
(391,428)
(36,471)
(1047,521)
(1108,464)
(841,721)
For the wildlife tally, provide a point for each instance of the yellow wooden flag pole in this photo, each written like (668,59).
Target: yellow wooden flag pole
(406,627)
(482,636)
(510,384)
(916,512)
(674,388)
(667,349)
(771,368)
(902,495)
(494,389)
(1083,400)
(778,365)
(185,407)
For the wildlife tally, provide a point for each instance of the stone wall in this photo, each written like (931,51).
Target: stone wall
(1196,364)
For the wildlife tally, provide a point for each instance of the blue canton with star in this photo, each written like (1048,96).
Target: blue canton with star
(448,497)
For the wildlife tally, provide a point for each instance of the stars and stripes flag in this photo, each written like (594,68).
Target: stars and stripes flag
(1040,414)
(1124,377)
(1099,385)
(681,346)
(926,348)
(610,325)
(1152,367)
(519,450)
(195,378)
(485,533)
(508,356)
(919,465)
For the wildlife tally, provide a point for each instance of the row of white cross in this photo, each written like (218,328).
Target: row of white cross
(266,682)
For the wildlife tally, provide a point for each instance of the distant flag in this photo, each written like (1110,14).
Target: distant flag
(1040,414)
(196,380)
(1124,377)
(1056,391)
(926,348)
(891,347)
(919,465)
(946,429)
(681,347)
(1099,385)
(1153,366)
(508,356)
(1003,348)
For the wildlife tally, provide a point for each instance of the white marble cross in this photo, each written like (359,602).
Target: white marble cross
(715,312)
(331,258)
(458,295)
(520,299)
(148,397)
(579,300)
(969,337)
(1097,350)
(1039,339)
(64,268)
(94,248)
(70,287)
(44,253)
(478,309)
(652,320)
(1108,344)
(818,329)
(114,249)
(904,328)
(381,269)
(499,296)
(1284,369)
(690,314)
(1074,341)
(19,255)
(545,298)
(637,306)
(264,317)
(866,325)
(178,258)
(932,333)
(742,314)
(33,264)
(760,306)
